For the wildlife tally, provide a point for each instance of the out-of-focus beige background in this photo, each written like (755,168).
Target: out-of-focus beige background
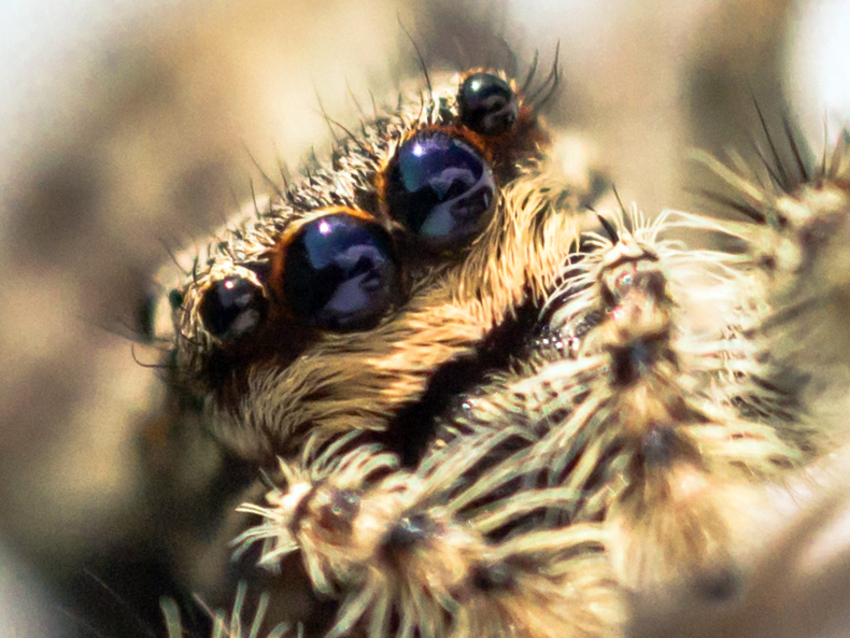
(127,130)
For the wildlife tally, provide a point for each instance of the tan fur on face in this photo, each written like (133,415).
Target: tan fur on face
(357,381)
(288,379)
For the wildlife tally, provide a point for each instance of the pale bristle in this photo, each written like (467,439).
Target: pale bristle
(232,624)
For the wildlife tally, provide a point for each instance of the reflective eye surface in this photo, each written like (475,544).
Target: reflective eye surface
(340,272)
(233,308)
(440,188)
(487,104)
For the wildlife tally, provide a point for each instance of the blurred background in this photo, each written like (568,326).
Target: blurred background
(128,129)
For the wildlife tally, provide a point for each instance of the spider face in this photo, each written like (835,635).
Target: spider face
(458,415)
(469,422)
(335,308)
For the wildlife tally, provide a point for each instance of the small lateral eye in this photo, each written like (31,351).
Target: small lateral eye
(233,308)
(487,104)
(440,188)
(340,272)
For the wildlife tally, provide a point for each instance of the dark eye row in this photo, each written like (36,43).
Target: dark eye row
(340,270)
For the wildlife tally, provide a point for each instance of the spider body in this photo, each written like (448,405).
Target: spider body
(444,408)
(619,440)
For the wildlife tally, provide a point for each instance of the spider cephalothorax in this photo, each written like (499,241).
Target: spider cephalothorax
(478,420)
(363,302)
(330,308)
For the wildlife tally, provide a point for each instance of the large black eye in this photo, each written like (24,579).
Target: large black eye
(340,272)
(233,308)
(440,188)
(487,104)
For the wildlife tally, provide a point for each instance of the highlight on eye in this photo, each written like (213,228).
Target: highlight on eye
(440,188)
(338,271)
(233,308)
(487,103)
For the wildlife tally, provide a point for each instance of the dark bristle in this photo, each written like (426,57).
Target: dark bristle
(268,180)
(774,177)
(257,212)
(354,99)
(619,201)
(139,362)
(550,85)
(783,179)
(351,136)
(173,257)
(727,202)
(532,71)
(513,63)
(420,57)
(609,228)
(323,112)
(805,173)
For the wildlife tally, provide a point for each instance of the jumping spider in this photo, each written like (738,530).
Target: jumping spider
(480,405)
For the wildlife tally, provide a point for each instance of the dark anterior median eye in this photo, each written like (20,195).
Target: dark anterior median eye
(233,308)
(487,104)
(340,272)
(440,188)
